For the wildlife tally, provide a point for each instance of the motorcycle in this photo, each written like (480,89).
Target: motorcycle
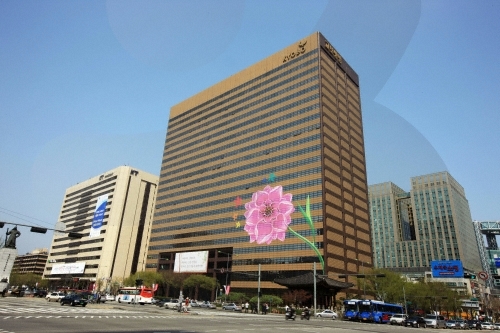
(305,315)
(290,314)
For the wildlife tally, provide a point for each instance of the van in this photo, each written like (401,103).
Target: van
(435,321)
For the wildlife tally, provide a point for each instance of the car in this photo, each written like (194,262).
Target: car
(73,300)
(231,306)
(496,326)
(461,324)
(398,319)
(208,305)
(108,297)
(484,325)
(194,304)
(451,324)
(54,297)
(327,314)
(435,321)
(415,321)
(40,293)
(471,324)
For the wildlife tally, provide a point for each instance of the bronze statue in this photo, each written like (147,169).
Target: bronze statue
(10,242)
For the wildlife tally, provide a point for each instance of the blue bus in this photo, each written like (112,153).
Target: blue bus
(377,311)
(351,309)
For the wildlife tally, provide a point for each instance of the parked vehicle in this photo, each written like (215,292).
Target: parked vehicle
(496,326)
(435,321)
(398,319)
(208,305)
(231,306)
(461,324)
(472,324)
(40,293)
(485,325)
(451,324)
(327,314)
(194,304)
(415,321)
(73,300)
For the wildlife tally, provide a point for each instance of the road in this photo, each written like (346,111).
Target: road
(33,315)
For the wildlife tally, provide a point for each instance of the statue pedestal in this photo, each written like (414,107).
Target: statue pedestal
(7,257)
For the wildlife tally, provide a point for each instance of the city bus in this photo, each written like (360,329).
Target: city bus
(377,311)
(133,295)
(351,309)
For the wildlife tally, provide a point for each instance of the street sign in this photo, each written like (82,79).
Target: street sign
(483,275)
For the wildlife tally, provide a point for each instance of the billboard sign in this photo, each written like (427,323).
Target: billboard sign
(68,268)
(100,209)
(191,262)
(447,269)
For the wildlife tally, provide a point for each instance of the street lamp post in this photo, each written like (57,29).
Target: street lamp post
(364,278)
(227,273)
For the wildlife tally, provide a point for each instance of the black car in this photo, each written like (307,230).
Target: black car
(73,300)
(473,325)
(415,321)
(40,293)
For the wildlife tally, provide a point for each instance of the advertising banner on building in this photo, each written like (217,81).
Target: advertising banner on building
(100,209)
(68,268)
(191,262)
(447,268)
(497,262)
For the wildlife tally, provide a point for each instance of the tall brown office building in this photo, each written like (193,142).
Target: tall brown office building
(293,119)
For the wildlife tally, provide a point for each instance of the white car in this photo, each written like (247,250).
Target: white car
(486,325)
(327,314)
(54,297)
(398,319)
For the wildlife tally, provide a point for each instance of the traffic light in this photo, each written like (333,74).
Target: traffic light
(38,230)
(2,224)
(138,282)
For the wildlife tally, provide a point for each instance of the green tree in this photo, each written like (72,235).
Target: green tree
(147,277)
(197,281)
(29,280)
(236,297)
(388,288)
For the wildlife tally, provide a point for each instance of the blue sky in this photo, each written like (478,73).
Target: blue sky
(86,86)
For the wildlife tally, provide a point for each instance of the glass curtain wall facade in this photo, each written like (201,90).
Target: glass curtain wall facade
(293,119)
(439,221)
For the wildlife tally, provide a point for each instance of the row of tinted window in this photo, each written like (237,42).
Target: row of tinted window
(221,116)
(259,114)
(233,188)
(259,154)
(291,65)
(231,142)
(242,159)
(220,218)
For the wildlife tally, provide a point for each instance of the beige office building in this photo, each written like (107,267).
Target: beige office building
(113,211)
(292,120)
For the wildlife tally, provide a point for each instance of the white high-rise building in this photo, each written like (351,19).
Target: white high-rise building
(113,213)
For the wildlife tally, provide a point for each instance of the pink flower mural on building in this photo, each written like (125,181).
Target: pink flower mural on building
(268,217)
